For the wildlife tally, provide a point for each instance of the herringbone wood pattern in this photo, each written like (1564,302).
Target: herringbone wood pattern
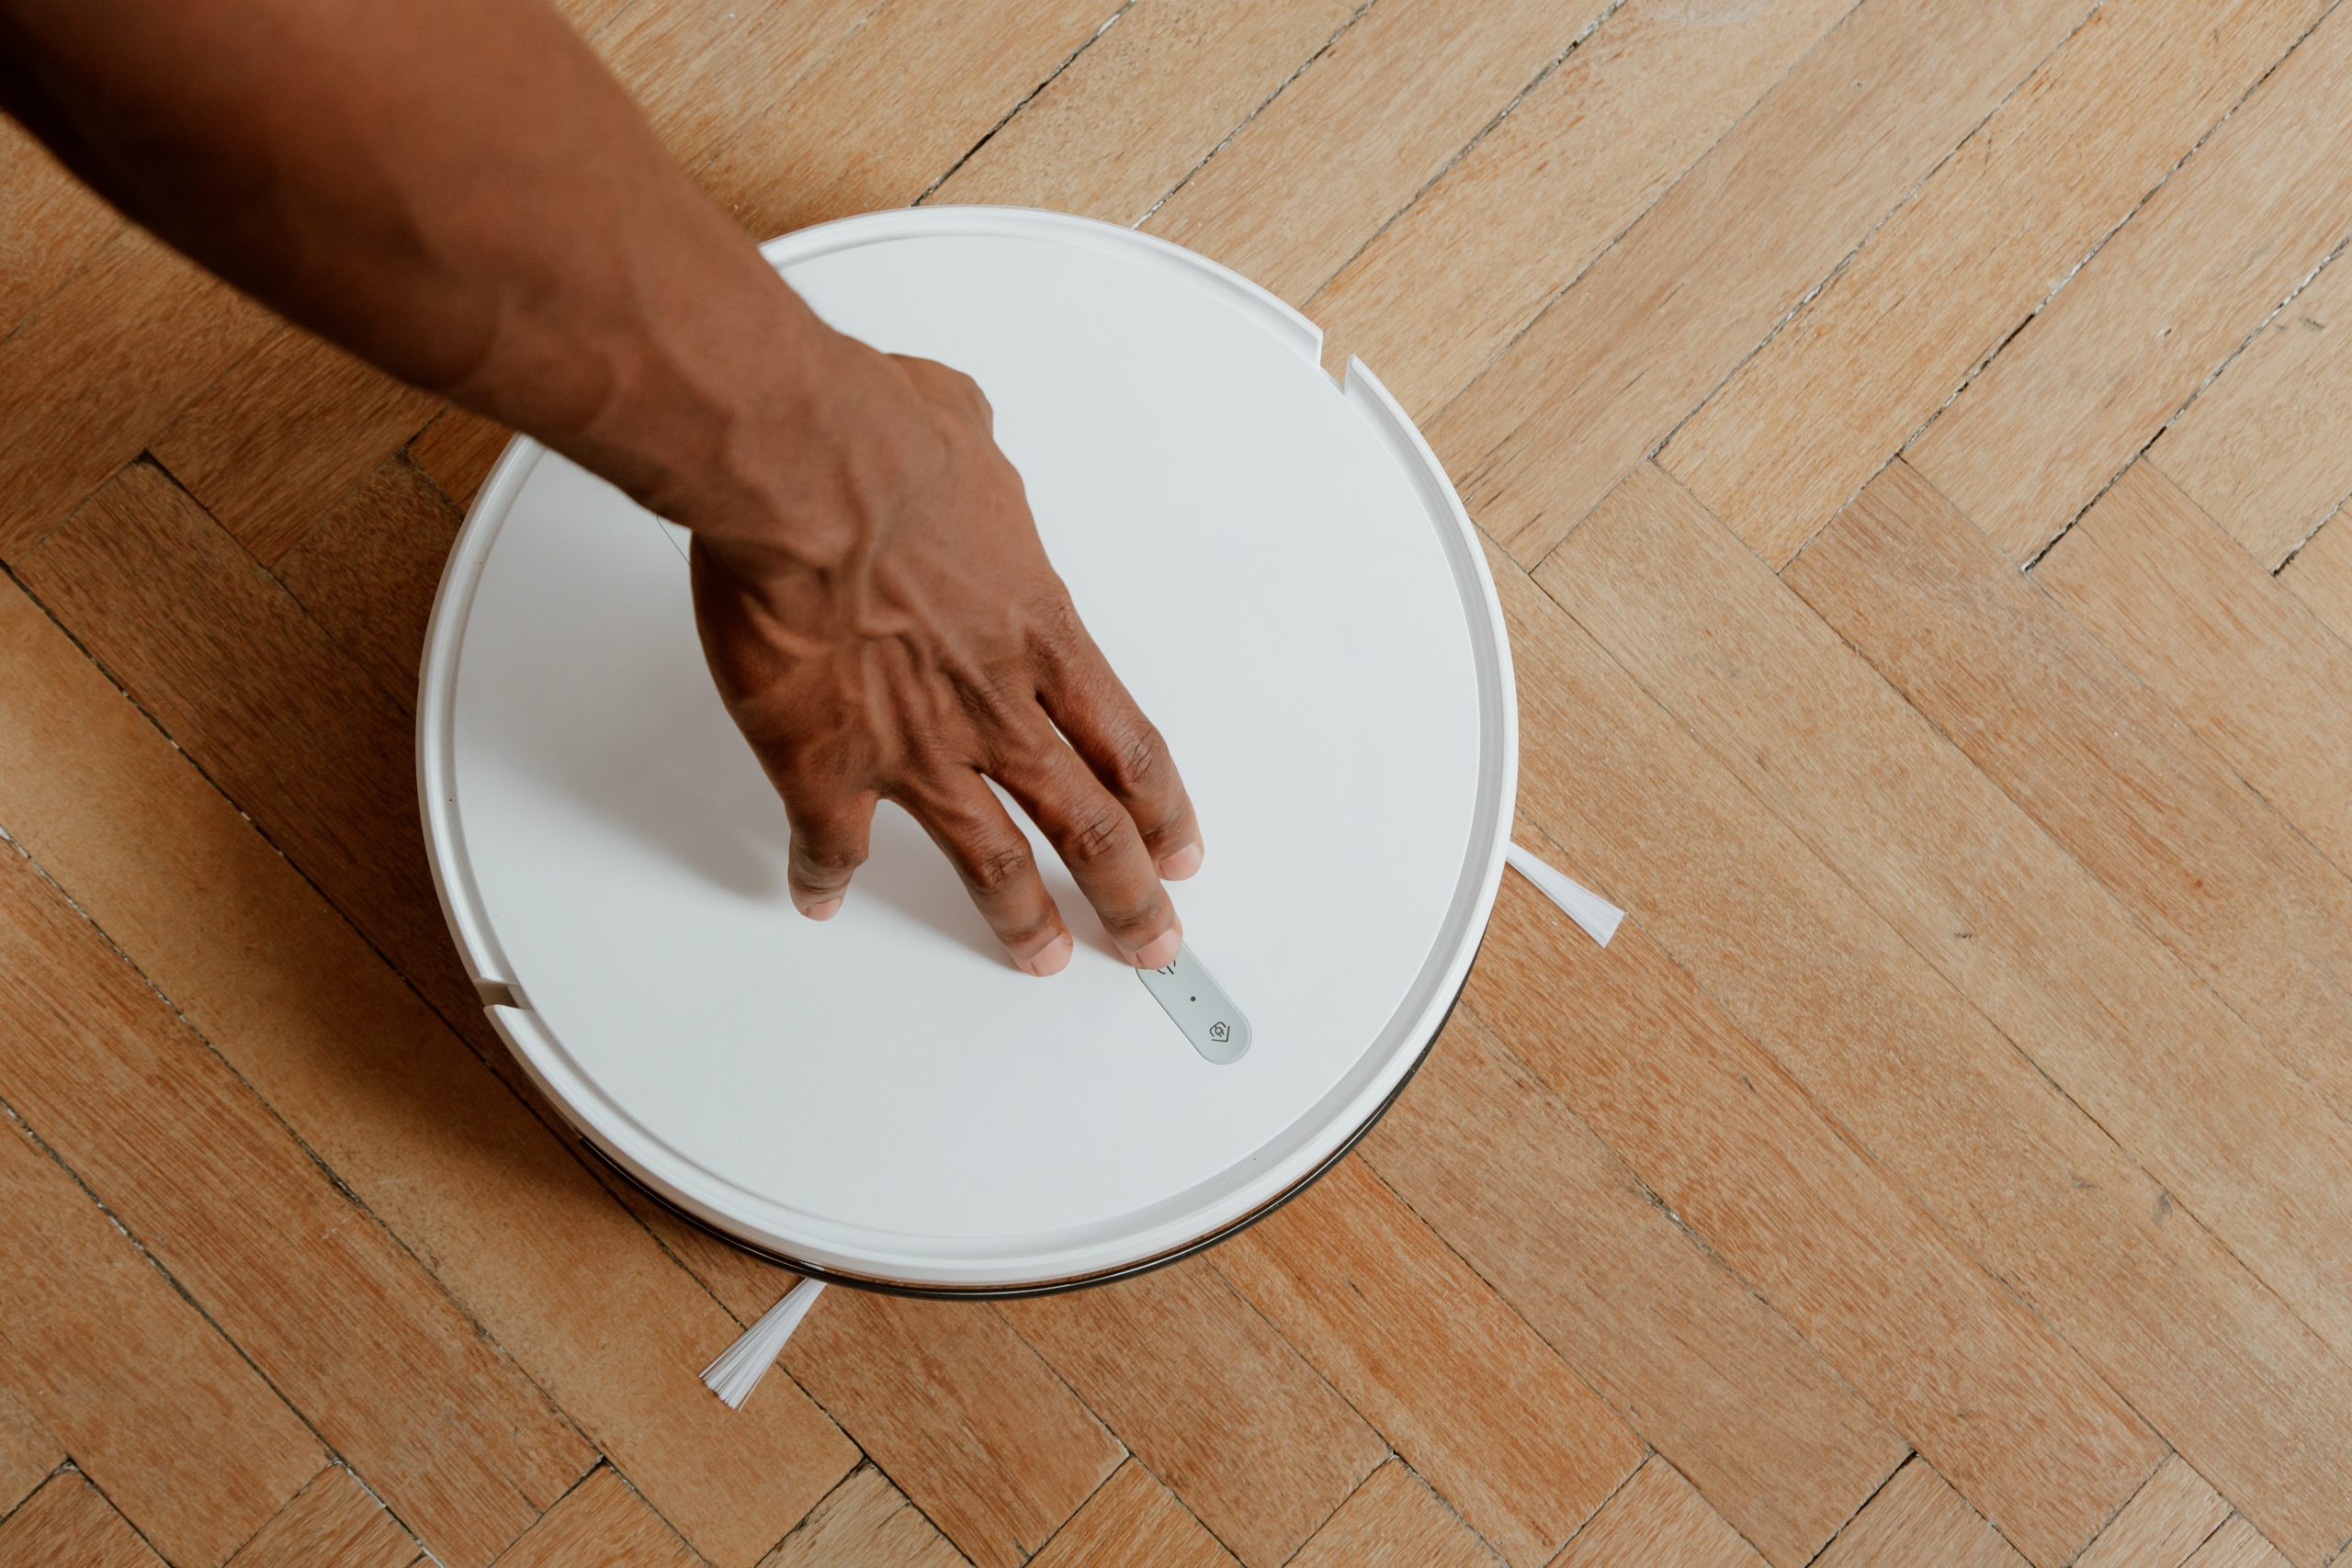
(1910,437)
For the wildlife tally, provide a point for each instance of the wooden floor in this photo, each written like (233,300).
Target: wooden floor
(1911,439)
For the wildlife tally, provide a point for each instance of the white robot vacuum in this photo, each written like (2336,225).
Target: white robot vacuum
(1279,570)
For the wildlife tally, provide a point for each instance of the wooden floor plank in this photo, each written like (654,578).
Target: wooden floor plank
(1192,1379)
(2266,449)
(864,1523)
(1657,1518)
(1605,374)
(286,434)
(347,1325)
(1146,104)
(1694,1361)
(1993,902)
(2165,1520)
(1925,1085)
(332,1523)
(891,107)
(403,1112)
(1134,1519)
(1656,84)
(960,1412)
(1869,360)
(129,1377)
(1917,1518)
(2321,576)
(100,368)
(704,70)
(1456,1381)
(55,224)
(2088,382)
(2237,1544)
(1395,1521)
(2207,628)
(456,451)
(602,1520)
(28,1450)
(2094,757)
(367,569)
(1708,1121)
(285,721)
(1301,187)
(67,1523)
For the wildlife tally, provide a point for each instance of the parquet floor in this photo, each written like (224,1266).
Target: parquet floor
(1912,438)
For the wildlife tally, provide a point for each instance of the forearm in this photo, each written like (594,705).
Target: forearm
(457,191)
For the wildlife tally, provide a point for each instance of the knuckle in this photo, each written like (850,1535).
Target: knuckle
(994,867)
(1137,758)
(1144,915)
(1096,833)
(829,860)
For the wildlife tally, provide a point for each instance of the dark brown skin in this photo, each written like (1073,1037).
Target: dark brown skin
(457,191)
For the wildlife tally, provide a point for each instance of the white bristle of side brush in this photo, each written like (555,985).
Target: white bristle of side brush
(741,1365)
(1597,915)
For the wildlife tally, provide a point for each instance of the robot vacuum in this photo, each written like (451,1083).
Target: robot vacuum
(1282,574)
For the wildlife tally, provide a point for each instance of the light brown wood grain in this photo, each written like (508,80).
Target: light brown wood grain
(1395,1521)
(1917,1518)
(1605,374)
(1213,1400)
(602,1520)
(332,1523)
(1445,287)
(335,1313)
(703,70)
(1959,1366)
(2211,632)
(28,1450)
(2088,382)
(1145,105)
(68,1525)
(1697,1365)
(864,1523)
(286,434)
(427,1136)
(2321,576)
(367,569)
(1869,360)
(2266,449)
(1976,886)
(1923,1083)
(892,106)
(1133,1519)
(1658,1518)
(960,1413)
(282,719)
(55,224)
(1301,187)
(2165,1520)
(1456,1381)
(456,450)
(2094,757)
(2237,1544)
(109,1358)
(99,368)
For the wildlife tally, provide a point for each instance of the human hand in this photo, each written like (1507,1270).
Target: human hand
(896,633)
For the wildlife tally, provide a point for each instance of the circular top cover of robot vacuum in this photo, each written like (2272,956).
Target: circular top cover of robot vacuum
(1279,571)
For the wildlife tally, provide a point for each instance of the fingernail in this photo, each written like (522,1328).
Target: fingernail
(1183,864)
(1050,959)
(1163,950)
(824,911)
